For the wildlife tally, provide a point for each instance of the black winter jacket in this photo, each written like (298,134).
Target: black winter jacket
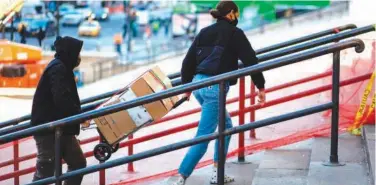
(238,47)
(56,96)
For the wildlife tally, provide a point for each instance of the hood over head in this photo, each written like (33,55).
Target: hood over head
(68,50)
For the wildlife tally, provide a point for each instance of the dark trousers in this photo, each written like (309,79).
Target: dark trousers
(23,40)
(118,48)
(40,42)
(70,151)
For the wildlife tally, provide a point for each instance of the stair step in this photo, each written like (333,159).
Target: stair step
(350,152)
(243,173)
(283,166)
(280,177)
(286,159)
(349,174)
(350,149)
(368,135)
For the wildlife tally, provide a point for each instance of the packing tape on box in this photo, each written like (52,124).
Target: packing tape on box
(139,114)
(165,84)
(164,81)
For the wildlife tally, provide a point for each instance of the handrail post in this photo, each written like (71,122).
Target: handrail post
(252,133)
(241,158)
(58,165)
(102,173)
(130,152)
(221,139)
(102,176)
(16,161)
(333,160)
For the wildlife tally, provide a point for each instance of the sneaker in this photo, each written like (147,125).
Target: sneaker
(180,181)
(213,179)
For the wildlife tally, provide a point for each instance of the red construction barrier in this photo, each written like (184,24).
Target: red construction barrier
(351,96)
(242,151)
(321,131)
(131,142)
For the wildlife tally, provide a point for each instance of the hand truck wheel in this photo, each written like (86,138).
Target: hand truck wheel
(102,152)
(115,148)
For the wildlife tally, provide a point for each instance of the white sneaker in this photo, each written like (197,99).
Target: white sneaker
(213,179)
(180,181)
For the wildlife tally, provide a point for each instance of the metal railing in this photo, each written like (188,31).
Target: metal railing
(260,51)
(132,142)
(219,79)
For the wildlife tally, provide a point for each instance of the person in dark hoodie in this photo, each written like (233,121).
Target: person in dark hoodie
(56,97)
(216,50)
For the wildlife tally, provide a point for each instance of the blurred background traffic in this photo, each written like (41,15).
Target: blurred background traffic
(97,22)
(119,35)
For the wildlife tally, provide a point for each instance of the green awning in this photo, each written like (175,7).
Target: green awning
(266,8)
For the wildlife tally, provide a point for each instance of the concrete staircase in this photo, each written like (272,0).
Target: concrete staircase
(368,138)
(301,164)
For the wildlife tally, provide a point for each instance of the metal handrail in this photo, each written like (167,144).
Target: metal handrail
(221,79)
(176,75)
(307,38)
(79,118)
(296,41)
(262,58)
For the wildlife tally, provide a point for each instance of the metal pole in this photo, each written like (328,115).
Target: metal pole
(102,173)
(12,29)
(130,152)
(252,133)
(102,176)
(16,161)
(262,25)
(241,118)
(100,71)
(333,160)
(129,31)
(57,18)
(221,129)
(58,165)
(3,31)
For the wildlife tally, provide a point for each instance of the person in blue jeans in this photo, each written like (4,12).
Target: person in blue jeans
(216,50)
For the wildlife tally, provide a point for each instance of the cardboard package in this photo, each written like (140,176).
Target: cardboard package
(114,127)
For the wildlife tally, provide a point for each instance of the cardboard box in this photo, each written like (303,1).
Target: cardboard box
(156,109)
(157,72)
(116,126)
(157,86)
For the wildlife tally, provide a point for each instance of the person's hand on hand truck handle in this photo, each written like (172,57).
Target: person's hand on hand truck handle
(86,124)
(187,95)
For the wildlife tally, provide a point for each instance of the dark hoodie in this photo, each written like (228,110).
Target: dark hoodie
(56,96)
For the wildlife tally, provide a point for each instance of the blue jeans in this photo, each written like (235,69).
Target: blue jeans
(208,99)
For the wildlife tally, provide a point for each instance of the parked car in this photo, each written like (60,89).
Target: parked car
(100,14)
(72,18)
(89,28)
(33,25)
(85,10)
(8,25)
(65,9)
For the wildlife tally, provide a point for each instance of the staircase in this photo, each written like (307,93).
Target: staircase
(300,164)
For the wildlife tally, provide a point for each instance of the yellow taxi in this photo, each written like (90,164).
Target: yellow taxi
(89,28)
